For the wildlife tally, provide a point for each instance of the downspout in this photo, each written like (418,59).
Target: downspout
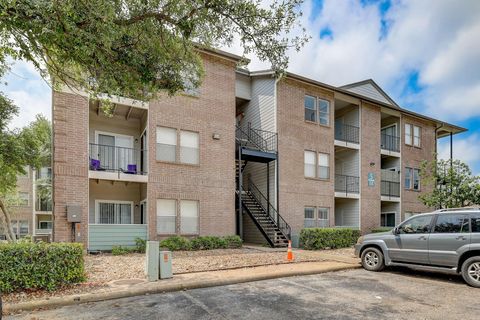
(436,160)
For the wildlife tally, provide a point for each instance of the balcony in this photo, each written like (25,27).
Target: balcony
(390,143)
(347,133)
(117,163)
(390,189)
(43,205)
(347,185)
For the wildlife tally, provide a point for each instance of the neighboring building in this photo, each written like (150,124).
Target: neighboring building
(307,155)
(30,214)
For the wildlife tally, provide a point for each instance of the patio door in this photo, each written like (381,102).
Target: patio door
(115,151)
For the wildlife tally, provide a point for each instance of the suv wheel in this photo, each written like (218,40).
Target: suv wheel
(471,271)
(372,259)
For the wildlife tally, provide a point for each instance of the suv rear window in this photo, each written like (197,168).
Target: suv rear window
(475,223)
(451,223)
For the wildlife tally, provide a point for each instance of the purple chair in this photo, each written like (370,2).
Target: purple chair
(131,169)
(94,164)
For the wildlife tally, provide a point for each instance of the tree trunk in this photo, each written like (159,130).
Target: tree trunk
(8,222)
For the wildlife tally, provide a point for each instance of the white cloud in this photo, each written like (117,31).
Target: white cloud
(29,92)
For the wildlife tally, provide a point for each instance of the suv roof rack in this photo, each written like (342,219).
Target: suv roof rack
(459,209)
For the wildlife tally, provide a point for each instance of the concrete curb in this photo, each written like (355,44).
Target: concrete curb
(159,287)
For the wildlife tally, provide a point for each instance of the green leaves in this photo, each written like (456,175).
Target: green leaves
(27,265)
(328,238)
(449,186)
(176,243)
(139,48)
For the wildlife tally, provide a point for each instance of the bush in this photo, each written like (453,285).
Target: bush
(140,245)
(381,229)
(27,265)
(176,243)
(119,250)
(328,238)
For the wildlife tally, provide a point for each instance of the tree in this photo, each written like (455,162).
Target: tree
(139,48)
(18,148)
(452,185)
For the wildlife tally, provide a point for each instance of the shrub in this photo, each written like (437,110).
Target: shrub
(140,245)
(233,242)
(325,238)
(381,229)
(119,250)
(27,265)
(175,243)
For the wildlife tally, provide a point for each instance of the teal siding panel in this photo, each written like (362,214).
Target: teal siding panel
(104,237)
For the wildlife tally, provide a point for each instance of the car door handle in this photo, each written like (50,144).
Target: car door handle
(422,238)
(461,238)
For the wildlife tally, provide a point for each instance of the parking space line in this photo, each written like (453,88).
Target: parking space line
(199,303)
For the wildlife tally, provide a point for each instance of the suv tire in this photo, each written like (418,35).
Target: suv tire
(372,259)
(471,271)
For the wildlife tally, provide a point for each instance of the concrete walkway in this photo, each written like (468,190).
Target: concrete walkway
(191,281)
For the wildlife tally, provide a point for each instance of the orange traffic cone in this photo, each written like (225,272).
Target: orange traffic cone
(289,251)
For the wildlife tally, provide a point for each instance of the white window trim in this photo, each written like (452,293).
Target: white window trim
(179,145)
(176,215)
(47,221)
(97,209)
(413,179)
(179,203)
(419,136)
(409,143)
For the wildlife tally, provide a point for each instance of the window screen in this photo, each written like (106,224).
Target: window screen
(189,217)
(166,144)
(189,147)
(166,216)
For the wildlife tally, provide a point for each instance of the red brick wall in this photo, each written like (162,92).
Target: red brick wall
(294,136)
(370,162)
(412,157)
(213,181)
(70,162)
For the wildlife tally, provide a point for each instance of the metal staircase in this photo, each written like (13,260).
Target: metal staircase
(259,146)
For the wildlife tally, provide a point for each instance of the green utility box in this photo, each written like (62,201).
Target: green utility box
(165,264)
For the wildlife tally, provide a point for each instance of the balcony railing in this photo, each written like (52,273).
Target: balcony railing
(346,132)
(347,184)
(390,188)
(116,159)
(389,142)
(43,205)
(258,139)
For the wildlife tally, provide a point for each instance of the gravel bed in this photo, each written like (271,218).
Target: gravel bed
(104,268)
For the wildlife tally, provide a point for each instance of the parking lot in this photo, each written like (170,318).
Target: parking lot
(354,294)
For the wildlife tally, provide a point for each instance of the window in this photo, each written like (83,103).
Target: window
(166,144)
(44,173)
(408,178)
(324,111)
(416,179)
(387,219)
(23,228)
(166,216)
(114,212)
(475,221)
(188,217)
(317,165)
(419,224)
(322,217)
(45,225)
(310,164)
(408,134)
(317,110)
(23,198)
(450,223)
(309,221)
(316,217)
(416,136)
(310,109)
(189,147)
(323,171)
(412,179)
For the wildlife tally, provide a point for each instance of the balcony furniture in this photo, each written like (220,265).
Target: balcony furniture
(131,169)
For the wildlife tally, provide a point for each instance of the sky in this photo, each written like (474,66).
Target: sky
(425,54)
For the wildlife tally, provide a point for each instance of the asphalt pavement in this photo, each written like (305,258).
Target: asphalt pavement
(353,294)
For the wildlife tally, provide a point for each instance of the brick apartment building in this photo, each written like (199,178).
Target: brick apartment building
(31,214)
(245,153)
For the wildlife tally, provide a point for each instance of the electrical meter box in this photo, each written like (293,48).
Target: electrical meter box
(165,264)
(74,214)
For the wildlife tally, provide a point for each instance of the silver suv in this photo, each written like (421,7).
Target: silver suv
(444,240)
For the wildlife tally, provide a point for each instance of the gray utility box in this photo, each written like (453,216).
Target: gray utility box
(165,264)
(74,214)
(151,261)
